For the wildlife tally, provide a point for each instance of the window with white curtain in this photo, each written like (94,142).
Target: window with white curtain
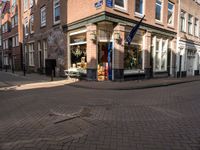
(31,54)
(160,54)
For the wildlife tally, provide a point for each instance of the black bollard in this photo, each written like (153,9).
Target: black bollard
(24,70)
(52,74)
(13,70)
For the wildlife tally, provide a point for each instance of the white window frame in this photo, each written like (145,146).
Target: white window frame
(44,43)
(143,8)
(31,23)
(31,3)
(190,24)
(161,11)
(120,7)
(183,15)
(196,27)
(25,5)
(13,3)
(39,46)
(16,19)
(0,40)
(31,54)
(43,20)
(5,61)
(13,41)
(26,27)
(3,28)
(54,8)
(13,21)
(6,44)
(160,52)
(6,27)
(172,11)
(17,40)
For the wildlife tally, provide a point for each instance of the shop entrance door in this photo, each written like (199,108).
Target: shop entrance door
(104,69)
(190,69)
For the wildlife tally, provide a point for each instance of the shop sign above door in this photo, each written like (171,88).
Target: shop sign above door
(109,3)
(98,4)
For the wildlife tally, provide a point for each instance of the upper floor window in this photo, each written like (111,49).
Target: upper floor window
(170,19)
(13,3)
(16,41)
(16,19)
(190,24)
(32,24)
(25,5)
(6,44)
(183,21)
(13,42)
(121,4)
(3,28)
(56,10)
(0,40)
(196,27)
(26,26)
(159,10)
(31,54)
(31,3)
(13,22)
(43,16)
(6,27)
(139,6)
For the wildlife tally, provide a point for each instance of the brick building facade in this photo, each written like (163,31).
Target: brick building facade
(188,41)
(11,47)
(89,37)
(43,33)
(103,28)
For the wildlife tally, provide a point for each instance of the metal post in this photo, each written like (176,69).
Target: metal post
(180,64)
(24,69)
(13,71)
(52,74)
(6,68)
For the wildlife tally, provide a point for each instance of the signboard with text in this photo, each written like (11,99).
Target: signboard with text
(109,3)
(98,4)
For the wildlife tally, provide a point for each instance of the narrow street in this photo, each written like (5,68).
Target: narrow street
(70,118)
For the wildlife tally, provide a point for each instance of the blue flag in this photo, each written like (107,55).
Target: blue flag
(133,31)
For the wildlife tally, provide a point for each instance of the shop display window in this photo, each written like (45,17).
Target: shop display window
(133,53)
(78,56)
(133,57)
(78,51)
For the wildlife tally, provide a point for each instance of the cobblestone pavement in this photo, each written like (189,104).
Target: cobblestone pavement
(8,79)
(68,118)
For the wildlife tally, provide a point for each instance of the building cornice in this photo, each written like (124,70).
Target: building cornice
(106,16)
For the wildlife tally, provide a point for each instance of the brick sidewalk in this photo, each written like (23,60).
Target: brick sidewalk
(39,79)
(134,84)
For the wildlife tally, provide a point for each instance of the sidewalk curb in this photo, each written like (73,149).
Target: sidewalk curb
(37,85)
(136,87)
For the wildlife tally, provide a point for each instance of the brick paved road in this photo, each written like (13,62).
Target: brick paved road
(159,118)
